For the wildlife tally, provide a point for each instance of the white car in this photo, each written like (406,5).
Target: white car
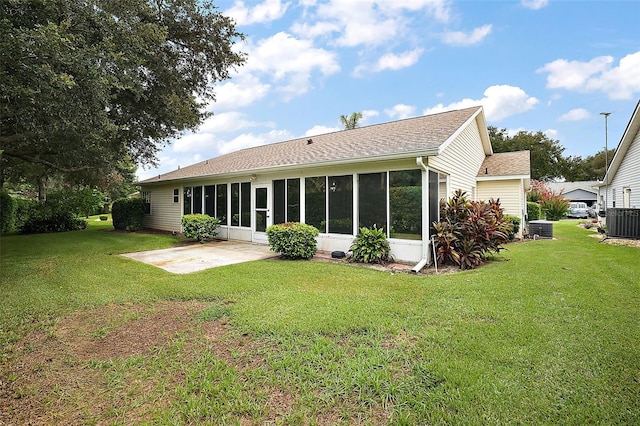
(579,210)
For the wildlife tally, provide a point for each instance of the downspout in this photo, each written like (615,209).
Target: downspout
(425,220)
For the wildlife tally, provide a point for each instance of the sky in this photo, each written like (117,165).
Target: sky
(534,65)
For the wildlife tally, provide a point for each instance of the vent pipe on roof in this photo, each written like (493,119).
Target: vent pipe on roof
(486,170)
(309,141)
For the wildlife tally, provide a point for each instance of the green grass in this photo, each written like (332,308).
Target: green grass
(546,333)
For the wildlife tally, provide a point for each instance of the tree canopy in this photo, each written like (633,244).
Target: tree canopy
(89,85)
(547,161)
(546,153)
(351,122)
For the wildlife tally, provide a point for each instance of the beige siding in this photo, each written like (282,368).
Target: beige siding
(462,159)
(510,192)
(165,214)
(627,176)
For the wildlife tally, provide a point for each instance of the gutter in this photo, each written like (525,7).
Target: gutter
(425,212)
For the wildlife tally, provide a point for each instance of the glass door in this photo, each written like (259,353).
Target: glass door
(261,212)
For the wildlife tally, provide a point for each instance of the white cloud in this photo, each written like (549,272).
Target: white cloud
(194,142)
(500,101)
(459,38)
(244,90)
(290,62)
(576,114)
(366,22)
(396,62)
(599,74)
(400,111)
(249,140)
(320,130)
(369,113)
(267,11)
(534,4)
(390,61)
(314,30)
(228,122)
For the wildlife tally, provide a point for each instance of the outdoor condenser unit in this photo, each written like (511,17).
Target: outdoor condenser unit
(541,228)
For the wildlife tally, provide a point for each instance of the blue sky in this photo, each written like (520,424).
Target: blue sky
(532,64)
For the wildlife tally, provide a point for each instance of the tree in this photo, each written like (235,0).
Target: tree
(351,122)
(88,84)
(547,161)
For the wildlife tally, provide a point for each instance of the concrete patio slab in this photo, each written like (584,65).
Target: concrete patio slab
(198,257)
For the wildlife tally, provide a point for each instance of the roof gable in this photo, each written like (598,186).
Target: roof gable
(409,137)
(627,139)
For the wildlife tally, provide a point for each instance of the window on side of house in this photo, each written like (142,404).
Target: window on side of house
(293,200)
(372,200)
(235,204)
(186,200)
(221,203)
(146,196)
(279,196)
(176,195)
(405,204)
(245,204)
(341,204)
(197,200)
(210,200)
(315,199)
(286,200)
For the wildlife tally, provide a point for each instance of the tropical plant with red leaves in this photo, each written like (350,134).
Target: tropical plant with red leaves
(469,230)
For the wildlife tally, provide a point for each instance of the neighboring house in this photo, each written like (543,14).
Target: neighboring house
(391,175)
(623,175)
(577,191)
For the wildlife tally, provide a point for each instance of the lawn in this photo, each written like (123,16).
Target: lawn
(548,332)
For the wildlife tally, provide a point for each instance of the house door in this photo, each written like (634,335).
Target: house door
(261,213)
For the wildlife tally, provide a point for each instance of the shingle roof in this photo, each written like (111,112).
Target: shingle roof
(413,136)
(516,163)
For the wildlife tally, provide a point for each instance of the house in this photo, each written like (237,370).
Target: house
(576,191)
(391,175)
(620,187)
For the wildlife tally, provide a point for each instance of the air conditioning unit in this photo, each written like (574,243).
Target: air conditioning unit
(541,228)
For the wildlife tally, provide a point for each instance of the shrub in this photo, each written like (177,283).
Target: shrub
(128,214)
(555,207)
(202,227)
(370,246)
(534,212)
(553,204)
(468,230)
(293,240)
(49,216)
(80,202)
(514,221)
(7,212)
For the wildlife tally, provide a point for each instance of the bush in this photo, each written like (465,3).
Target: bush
(80,202)
(514,221)
(534,212)
(7,212)
(553,204)
(49,216)
(202,227)
(128,214)
(468,230)
(370,246)
(293,240)
(555,207)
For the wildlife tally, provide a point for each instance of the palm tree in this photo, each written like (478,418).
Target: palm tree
(351,122)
